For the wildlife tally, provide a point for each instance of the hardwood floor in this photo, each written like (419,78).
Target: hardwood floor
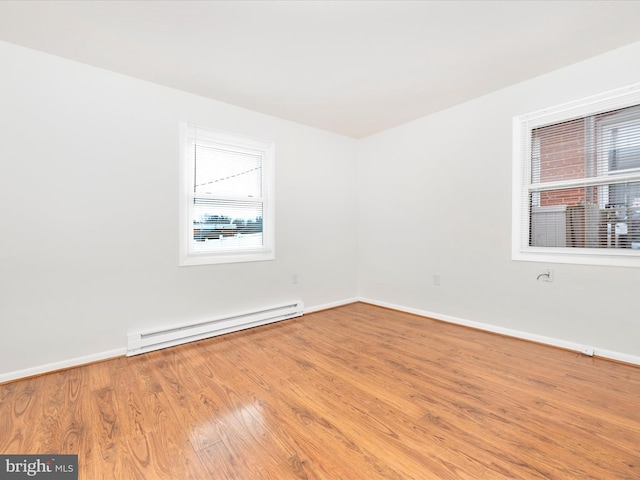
(357,392)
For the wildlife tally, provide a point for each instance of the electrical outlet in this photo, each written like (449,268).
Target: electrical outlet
(436,280)
(294,279)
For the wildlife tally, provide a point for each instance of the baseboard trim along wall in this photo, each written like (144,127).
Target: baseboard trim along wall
(328,306)
(555,342)
(119,352)
(62,365)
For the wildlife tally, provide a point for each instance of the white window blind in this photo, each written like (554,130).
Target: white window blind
(227,213)
(577,189)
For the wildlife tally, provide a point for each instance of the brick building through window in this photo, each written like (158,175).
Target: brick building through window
(582,170)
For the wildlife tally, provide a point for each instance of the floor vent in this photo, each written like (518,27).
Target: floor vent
(155,340)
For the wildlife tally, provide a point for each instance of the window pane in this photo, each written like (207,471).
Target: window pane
(622,221)
(559,152)
(624,194)
(218,219)
(574,217)
(624,147)
(619,140)
(227,173)
(566,218)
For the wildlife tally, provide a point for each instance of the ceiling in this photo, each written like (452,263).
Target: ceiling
(350,67)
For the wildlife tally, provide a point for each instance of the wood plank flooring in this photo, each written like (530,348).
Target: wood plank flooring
(356,392)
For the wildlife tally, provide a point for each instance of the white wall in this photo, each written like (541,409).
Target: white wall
(89,213)
(89,216)
(435,199)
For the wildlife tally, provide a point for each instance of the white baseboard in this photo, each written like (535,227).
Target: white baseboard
(69,363)
(119,352)
(327,306)
(598,352)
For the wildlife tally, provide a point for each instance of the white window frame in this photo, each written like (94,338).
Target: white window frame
(189,255)
(523,184)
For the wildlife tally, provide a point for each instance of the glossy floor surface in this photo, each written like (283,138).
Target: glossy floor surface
(356,392)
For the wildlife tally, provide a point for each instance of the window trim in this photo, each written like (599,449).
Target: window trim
(241,143)
(522,128)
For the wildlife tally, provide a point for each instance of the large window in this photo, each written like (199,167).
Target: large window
(577,181)
(227,204)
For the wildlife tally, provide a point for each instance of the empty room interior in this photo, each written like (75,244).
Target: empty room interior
(320,239)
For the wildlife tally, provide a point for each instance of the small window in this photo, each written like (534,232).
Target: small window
(577,181)
(227,204)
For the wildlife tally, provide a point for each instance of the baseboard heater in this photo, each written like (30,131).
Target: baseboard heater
(148,341)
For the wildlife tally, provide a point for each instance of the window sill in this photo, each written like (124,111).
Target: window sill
(580,256)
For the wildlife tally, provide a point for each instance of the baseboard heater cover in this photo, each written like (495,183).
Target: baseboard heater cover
(148,341)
